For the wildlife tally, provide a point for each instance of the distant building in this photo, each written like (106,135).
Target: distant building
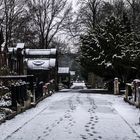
(64,77)
(94,81)
(70,60)
(42,63)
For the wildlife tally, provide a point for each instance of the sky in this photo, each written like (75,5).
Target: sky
(74,3)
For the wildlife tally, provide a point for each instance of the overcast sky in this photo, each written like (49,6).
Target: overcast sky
(74,3)
(75,6)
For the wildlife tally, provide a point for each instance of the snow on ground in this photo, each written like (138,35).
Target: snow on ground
(75,116)
(78,85)
(118,117)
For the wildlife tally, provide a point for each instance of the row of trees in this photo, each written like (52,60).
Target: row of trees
(108,31)
(35,22)
(110,38)
(111,50)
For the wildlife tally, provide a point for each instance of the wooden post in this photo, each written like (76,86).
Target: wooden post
(33,94)
(126,91)
(138,96)
(116,86)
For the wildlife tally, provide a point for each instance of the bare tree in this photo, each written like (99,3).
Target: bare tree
(88,12)
(11,11)
(84,19)
(119,7)
(61,45)
(134,10)
(48,17)
(1,7)
(106,9)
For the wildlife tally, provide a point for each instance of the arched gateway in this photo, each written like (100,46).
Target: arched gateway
(42,63)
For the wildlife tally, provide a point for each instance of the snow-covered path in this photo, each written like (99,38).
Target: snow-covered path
(75,116)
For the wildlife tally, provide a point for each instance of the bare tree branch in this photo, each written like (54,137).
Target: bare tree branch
(48,17)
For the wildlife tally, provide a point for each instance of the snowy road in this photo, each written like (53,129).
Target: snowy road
(75,116)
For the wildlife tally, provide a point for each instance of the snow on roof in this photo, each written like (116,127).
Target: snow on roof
(20,45)
(40,51)
(40,64)
(37,52)
(63,70)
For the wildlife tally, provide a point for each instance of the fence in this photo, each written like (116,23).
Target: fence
(25,92)
(132,93)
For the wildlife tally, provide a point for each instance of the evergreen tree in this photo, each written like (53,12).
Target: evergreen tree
(111,50)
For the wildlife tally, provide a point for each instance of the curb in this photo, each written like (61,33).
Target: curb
(131,103)
(95,91)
